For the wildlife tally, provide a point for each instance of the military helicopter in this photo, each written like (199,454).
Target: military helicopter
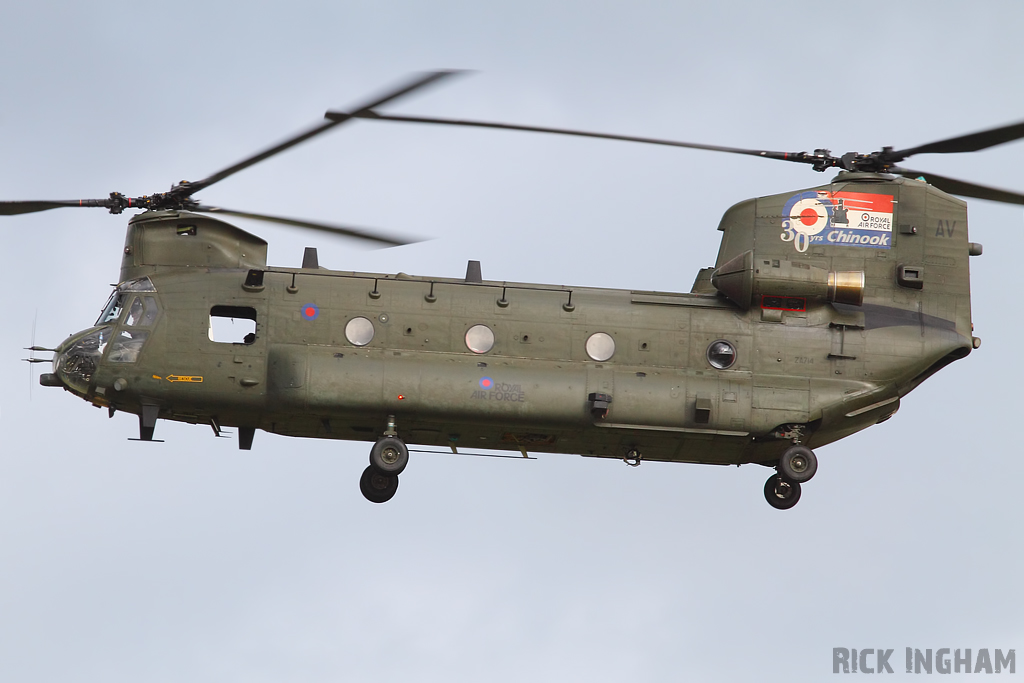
(825,307)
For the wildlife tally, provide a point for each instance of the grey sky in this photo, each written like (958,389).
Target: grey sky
(188,560)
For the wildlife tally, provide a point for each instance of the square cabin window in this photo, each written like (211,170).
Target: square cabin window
(233,324)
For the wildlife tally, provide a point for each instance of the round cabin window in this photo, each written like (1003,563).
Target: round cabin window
(359,331)
(479,339)
(600,346)
(721,354)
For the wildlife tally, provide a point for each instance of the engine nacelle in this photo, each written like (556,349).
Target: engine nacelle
(745,278)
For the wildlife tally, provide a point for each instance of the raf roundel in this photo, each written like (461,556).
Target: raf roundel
(310,311)
(486,383)
(808,213)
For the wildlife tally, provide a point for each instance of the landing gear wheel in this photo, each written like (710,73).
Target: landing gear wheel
(781,494)
(377,487)
(798,464)
(389,455)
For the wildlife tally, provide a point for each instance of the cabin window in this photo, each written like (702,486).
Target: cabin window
(600,346)
(479,339)
(359,331)
(233,324)
(721,354)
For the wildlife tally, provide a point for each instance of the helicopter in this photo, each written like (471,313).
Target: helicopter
(826,306)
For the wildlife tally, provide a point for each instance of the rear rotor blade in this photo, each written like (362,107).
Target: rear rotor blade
(967,143)
(418,82)
(801,157)
(962,187)
(344,230)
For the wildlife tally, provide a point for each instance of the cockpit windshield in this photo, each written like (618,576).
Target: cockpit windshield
(112,311)
(117,300)
(142,284)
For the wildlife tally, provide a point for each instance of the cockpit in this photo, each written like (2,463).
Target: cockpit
(123,326)
(142,309)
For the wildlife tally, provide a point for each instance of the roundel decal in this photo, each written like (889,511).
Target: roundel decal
(807,213)
(310,311)
(486,383)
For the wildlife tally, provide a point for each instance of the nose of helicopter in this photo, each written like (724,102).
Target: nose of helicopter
(76,359)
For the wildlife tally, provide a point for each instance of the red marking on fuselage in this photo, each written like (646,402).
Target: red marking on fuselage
(809,216)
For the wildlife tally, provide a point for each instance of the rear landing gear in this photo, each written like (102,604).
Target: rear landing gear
(389,455)
(796,466)
(388,458)
(781,494)
(377,487)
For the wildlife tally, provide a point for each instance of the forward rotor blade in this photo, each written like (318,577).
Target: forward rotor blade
(963,188)
(415,84)
(801,157)
(967,143)
(15,208)
(344,230)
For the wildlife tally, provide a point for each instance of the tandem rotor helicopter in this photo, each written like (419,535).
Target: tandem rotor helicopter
(825,307)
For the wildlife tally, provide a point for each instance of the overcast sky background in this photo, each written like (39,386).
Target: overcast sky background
(189,560)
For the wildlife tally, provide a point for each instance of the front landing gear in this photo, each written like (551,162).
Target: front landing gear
(388,458)
(796,466)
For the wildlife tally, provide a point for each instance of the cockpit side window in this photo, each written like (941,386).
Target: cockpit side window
(135,312)
(142,312)
(126,347)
